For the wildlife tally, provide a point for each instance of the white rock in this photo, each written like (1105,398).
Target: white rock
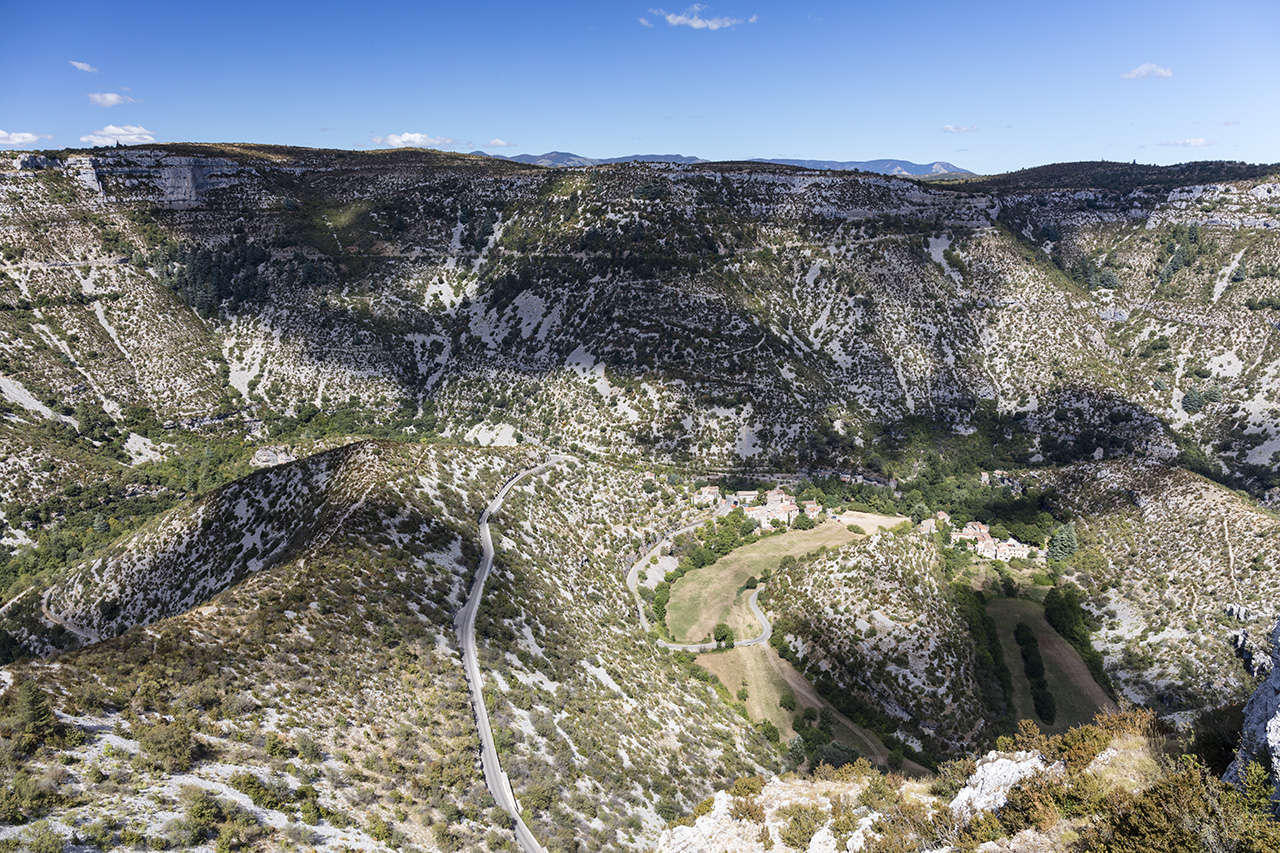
(1261,735)
(997,772)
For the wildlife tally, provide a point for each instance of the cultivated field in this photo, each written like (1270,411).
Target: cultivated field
(1078,696)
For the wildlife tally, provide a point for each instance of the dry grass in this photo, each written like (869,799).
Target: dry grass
(1133,767)
(705,597)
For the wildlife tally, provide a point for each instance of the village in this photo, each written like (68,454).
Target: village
(777,509)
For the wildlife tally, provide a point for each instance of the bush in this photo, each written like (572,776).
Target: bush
(41,838)
(803,822)
(747,786)
(1187,810)
(274,796)
(787,701)
(952,776)
(169,746)
(746,808)
(1079,746)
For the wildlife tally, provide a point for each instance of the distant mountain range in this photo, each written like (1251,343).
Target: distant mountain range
(564,159)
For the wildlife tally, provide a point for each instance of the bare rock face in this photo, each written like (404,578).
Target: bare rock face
(35,162)
(719,830)
(997,772)
(1261,737)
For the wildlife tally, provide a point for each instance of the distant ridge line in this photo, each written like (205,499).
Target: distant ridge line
(906,168)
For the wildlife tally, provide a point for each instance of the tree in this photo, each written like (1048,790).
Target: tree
(33,719)
(723,635)
(804,522)
(787,701)
(1063,544)
(1192,401)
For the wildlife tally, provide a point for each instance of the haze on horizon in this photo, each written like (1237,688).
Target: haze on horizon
(995,88)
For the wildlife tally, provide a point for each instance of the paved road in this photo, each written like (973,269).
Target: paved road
(633,576)
(765,633)
(465,623)
(633,583)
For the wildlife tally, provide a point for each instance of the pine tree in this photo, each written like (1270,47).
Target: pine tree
(33,719)
(1063,544)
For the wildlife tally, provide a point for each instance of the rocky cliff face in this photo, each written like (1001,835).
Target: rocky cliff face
(721,314)
(1260,740)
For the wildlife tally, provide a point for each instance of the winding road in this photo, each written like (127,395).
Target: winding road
(465,623)
(765,633)
(870,745)
(633,583)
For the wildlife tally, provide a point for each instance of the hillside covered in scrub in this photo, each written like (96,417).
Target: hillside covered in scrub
(254,401)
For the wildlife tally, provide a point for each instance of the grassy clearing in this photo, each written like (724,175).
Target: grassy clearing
(707,596)
(1078,696)
(749,667)
(870,521)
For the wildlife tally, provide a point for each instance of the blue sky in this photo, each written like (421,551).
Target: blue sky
(988,86)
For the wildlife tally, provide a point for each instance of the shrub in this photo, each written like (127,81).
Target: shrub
(746,808)
(803,822)
(274,796)
(307,749)
(1188,810)
(1032,803)
(787,701)
(1079,746)
(879,795)
(747,786)
(41,838)
(952,776)
(169,746)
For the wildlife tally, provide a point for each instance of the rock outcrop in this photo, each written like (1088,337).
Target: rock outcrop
(1260,739)
(996,773)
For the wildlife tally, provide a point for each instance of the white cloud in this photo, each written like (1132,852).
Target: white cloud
(500,143)
(1189,143)
(644,22)
(968,128)
(1230,123)
(413,140)
(1147,69)
(83,66)
(692,17)
(110,99)
(21,138)
(130,134)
